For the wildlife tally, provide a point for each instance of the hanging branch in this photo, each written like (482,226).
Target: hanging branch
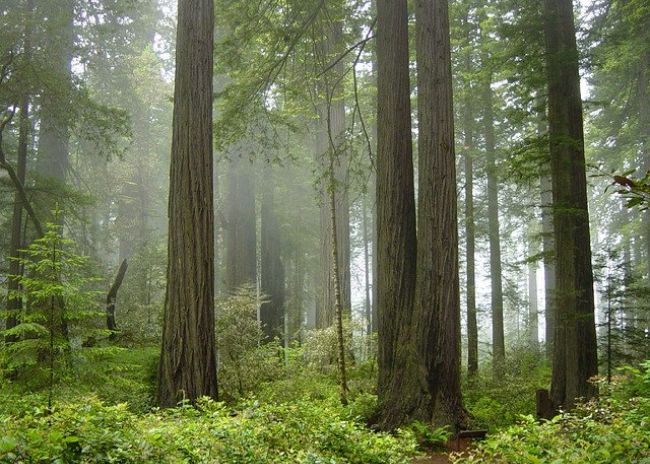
(20,188)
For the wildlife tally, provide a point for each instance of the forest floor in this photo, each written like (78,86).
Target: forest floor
(443,456)
(438,458)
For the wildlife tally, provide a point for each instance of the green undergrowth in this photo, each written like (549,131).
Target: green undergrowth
(106,415)
(496,402)
(612,429)
(305,431)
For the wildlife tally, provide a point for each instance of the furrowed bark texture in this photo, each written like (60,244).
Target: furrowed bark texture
(437,306)
(187,363)
(574,355)
(396,241)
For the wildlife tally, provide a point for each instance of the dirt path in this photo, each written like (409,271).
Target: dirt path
(438,458)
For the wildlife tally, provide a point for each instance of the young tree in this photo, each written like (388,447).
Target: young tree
(187,363)
(574,351)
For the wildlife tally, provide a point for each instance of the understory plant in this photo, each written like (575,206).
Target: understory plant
(58,314)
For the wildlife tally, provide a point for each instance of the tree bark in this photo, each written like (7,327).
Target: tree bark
(187,364)
(398,388)
(437,305)
(574,353)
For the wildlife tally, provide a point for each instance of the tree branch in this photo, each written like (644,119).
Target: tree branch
(20,188)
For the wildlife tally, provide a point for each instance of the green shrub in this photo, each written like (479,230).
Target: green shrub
(245,359)
(613,429)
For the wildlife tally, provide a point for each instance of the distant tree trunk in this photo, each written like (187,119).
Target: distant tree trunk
(366,266)
(437,303)
(187,362)
(498,336)
(240,233)
(52,162)
(375,311)
(297,294)
(548,240)
(53,151)
(533,319)
(15,302)
(272,269)
(111,298)
(574,354)
(398,389)
(338,304)
(470,228)
(644,133)
(330,133)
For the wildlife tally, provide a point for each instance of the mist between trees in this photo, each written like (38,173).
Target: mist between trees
(408,198)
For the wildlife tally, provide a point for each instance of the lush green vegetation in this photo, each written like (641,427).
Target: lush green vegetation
(612,429)
(106,414)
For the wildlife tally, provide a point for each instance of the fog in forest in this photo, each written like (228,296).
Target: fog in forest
(408,202)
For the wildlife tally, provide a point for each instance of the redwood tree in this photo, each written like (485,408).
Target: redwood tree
(574,347)
(396,240)
(437,313)
(187,363)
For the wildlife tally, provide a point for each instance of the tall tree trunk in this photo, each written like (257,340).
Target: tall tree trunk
(437,304)
(187,362)
(336,277)
(548,240)
(498,336)
(240,233)
(331,133)
(272,310)
(54,135)
(470,228)
(398,389)
(574,353)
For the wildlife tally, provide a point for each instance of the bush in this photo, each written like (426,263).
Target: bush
(498,403)
(613,429)
(245,359)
